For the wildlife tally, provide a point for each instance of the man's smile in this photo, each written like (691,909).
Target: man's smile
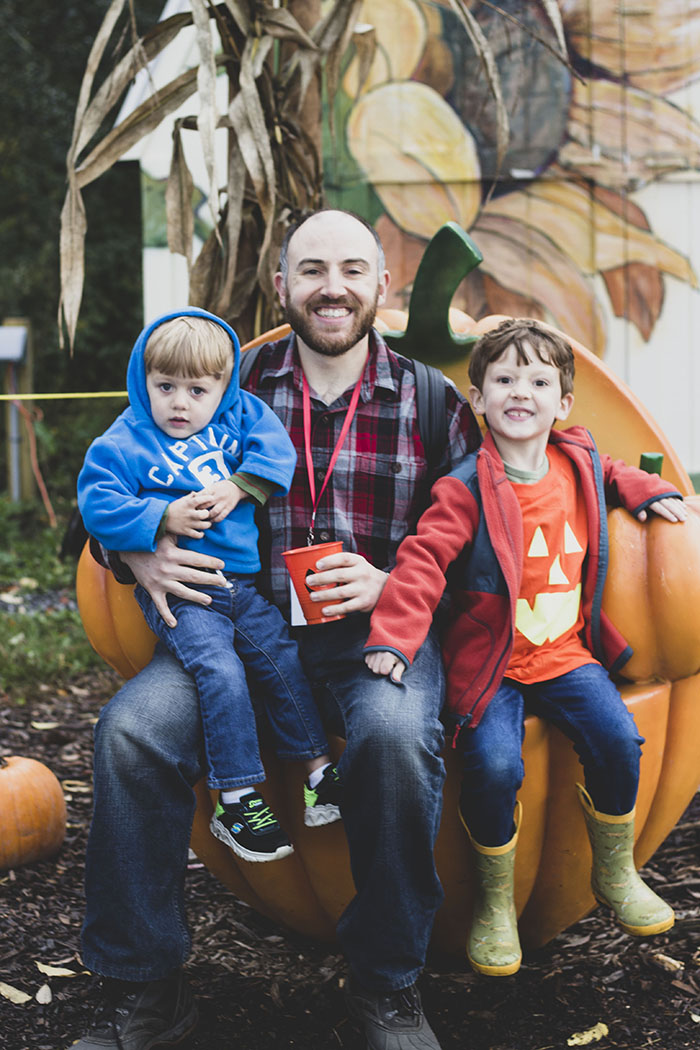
(332,312)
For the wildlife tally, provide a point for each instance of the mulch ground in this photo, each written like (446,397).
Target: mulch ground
(261,987)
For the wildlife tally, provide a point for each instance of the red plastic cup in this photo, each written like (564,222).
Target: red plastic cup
(301,562)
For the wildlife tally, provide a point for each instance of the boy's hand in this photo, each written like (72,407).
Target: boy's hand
(187,517)
(671,508)
(387,664)
(220,498)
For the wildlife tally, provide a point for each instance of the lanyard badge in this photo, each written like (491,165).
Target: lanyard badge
(315,500)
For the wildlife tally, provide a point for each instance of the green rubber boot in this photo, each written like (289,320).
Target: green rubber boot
(614,878)
(493,946)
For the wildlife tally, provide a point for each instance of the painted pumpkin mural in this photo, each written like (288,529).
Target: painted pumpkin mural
(309,889)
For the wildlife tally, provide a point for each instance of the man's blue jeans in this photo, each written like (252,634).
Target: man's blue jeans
(148,754)
(241,639)
(585,705)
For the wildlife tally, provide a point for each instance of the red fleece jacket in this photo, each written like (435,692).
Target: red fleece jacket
(472,536)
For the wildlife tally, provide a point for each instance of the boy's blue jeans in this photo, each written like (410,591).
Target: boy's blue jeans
(585,705)
(149,753)
(241,640)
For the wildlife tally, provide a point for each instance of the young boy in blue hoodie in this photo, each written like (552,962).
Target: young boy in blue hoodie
(192,455)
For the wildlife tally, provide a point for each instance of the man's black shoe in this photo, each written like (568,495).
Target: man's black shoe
(142,1016)
(393,1021)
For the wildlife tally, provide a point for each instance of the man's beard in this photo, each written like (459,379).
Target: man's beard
(331,345)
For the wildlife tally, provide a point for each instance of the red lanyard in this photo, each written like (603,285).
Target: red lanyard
(336,451)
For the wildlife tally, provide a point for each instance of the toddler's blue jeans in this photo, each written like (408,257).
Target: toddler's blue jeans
(241,640)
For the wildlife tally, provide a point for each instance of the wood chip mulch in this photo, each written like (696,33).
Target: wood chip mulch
(261,987)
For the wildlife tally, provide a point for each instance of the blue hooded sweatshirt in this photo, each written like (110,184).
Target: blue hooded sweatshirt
(134,470)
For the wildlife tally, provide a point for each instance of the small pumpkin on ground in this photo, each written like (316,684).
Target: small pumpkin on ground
(32,812)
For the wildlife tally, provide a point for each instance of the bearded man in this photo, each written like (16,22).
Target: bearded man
(349,404)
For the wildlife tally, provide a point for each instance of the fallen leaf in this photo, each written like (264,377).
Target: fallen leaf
(76,785)
(13,994)
(76,690)
(667,963)
(44,995)
(695,1017)
(54,971)
(10,599)
(45,725)
(592,1035)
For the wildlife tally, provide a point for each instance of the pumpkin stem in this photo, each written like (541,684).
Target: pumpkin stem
(447,259)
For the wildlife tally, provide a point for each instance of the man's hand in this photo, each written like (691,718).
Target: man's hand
(386,663)
(169,569)
(355,583)
(671,508)
(187,516)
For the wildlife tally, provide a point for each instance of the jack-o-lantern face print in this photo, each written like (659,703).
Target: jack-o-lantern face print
(553,575)
(548,615)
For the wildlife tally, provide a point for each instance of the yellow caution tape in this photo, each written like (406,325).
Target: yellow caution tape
(62,397)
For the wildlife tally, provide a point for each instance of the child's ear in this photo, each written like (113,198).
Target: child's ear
(476,400)
(565,406)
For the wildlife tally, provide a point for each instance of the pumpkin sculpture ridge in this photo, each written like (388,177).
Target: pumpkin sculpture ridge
(308,890)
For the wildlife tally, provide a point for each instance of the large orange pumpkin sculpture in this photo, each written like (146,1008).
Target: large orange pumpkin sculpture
(309,889)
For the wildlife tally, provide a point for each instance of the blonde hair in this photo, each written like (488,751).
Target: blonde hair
(523,333)
(190,346)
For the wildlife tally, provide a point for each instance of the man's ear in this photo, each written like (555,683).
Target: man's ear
(476,400)
(384,282)
(280,288)
(565,406)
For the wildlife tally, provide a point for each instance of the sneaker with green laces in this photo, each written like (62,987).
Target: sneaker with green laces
(322,803)
(250,829)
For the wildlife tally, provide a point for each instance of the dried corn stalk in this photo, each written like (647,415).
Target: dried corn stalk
(274,169)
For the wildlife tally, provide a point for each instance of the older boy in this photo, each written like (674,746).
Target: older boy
(191,456)
(520,527)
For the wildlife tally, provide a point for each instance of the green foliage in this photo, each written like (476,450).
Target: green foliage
(31,550)
(42,641)
(40,648)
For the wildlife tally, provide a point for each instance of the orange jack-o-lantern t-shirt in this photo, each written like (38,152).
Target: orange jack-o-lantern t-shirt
(549,618)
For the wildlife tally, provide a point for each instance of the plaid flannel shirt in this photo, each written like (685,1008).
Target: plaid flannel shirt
(379,485)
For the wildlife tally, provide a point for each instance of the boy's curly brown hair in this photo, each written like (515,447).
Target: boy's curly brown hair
(522,332)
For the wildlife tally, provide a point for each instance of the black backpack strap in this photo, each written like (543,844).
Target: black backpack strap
(248,359)
(431,413)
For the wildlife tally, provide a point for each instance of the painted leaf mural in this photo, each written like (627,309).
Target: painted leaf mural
(423,131)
